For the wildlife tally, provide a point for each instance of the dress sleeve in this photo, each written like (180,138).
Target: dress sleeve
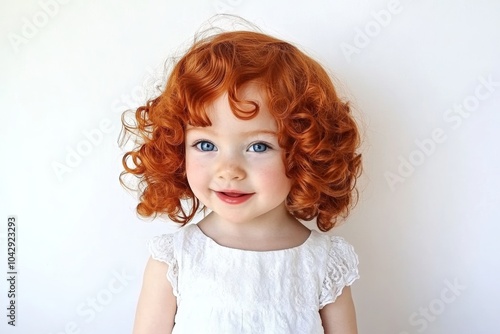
(161,249)
(342,270)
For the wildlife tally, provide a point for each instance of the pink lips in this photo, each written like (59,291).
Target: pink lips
(232,197)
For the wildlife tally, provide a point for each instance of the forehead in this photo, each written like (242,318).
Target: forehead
(223,118)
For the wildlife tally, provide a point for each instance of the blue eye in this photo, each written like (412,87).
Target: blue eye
(258,147)
(205,146)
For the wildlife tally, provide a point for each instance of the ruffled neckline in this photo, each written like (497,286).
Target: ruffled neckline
(214,243)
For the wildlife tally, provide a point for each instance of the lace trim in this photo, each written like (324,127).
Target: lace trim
(162,249)
(342,270)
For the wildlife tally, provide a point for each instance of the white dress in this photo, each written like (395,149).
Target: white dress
(226,290)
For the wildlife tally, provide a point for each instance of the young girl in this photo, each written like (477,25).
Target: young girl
(251,130)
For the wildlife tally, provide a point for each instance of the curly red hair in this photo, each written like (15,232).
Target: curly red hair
(315,127)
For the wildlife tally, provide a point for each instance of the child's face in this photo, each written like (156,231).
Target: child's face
(235,167)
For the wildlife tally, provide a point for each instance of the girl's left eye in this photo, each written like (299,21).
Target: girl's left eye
(258,147)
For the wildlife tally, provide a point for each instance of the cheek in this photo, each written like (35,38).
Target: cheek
(274,174)
(193,172)
(198,177)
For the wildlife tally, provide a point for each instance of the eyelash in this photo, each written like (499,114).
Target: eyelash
(266,146)
(197,146)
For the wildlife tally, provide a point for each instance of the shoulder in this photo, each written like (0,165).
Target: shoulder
(342,258)
(332,243)
(336,254)
(163,247)
(167,249)
(341,268)
(341,249)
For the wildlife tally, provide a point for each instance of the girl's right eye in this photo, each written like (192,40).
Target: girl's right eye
(205,146)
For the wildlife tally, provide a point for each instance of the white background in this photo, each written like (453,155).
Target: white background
(428,240)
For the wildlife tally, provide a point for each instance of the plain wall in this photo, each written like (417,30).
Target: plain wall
(422,76)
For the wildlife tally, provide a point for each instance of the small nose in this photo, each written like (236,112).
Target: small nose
(230,169)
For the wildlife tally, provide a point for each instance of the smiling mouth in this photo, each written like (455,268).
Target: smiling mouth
(233,194)
(233,197)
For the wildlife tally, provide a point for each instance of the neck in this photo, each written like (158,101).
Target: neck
(278,231)
(273,221)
